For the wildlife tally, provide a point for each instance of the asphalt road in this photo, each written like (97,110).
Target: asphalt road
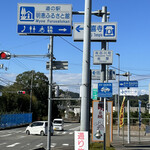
(16,139)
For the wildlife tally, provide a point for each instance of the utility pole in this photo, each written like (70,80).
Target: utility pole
(85,99)
(103,72)
(50,93)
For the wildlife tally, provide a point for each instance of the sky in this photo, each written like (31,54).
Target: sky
(132,43)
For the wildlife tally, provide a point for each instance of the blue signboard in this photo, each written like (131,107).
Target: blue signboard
(104,89)
(44,19)
(128,84)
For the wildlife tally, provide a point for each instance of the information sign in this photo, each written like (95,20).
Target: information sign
(129,92)
(128,84)
(104,89)
(103,57)
(100,31)
(44,19)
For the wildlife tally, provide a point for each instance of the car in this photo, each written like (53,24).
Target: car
(58,124)
(39,127)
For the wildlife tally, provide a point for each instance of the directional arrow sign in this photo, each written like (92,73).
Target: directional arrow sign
(99,31)
(44,19)
(79,29)
(128,84)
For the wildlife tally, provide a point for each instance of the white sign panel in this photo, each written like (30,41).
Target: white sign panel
(96,74)
(99,31)
(129,92)
(81,140)
(103,57)
(47,19)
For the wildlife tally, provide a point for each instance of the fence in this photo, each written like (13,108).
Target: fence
(134,125)
(11,120)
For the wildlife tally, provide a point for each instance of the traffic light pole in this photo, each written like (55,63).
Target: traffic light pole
(50,93)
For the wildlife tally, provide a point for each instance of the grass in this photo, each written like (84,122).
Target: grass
(99,146)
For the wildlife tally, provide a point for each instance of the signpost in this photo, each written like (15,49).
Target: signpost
(128,84)
(129,92)
(128,88)
(96,74)
(99,31)
(103,57)
(44,19)
(104,89)
(58,65)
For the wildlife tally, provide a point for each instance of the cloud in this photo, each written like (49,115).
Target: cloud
(68,81)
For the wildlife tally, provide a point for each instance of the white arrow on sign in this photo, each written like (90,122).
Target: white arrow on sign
(64,29)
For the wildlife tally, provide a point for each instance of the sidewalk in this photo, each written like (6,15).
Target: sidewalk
(134,144)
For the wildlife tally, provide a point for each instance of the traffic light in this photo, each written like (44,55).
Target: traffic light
(21,92)
(5,55)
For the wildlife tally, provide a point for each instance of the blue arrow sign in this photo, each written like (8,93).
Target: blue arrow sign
(128,83)
(79,28)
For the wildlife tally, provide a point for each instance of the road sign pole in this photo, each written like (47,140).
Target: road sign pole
(128,106)
(103,72)
(50,93)
(85,99)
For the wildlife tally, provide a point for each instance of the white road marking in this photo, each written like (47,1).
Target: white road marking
(57,132)
(5,135)
(39,145)
(64,133)
(67,125)
(53,144)
(13,145)
(71,133)
(65,144)
(75,129)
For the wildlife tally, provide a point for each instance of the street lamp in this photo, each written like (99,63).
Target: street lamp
(118,90)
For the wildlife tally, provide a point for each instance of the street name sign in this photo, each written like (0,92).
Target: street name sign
(44,19)
(128,92)
(58,65)
(104,89)
(100,31)
(103,57)
(128,84)
(96,74)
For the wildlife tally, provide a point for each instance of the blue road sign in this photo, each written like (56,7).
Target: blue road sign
(104,89)
(128,84)
(44,19)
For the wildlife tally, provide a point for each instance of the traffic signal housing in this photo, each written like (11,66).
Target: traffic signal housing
(5,55)
(21,92)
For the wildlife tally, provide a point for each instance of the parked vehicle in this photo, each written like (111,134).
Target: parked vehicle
(58,124)
(39,127)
